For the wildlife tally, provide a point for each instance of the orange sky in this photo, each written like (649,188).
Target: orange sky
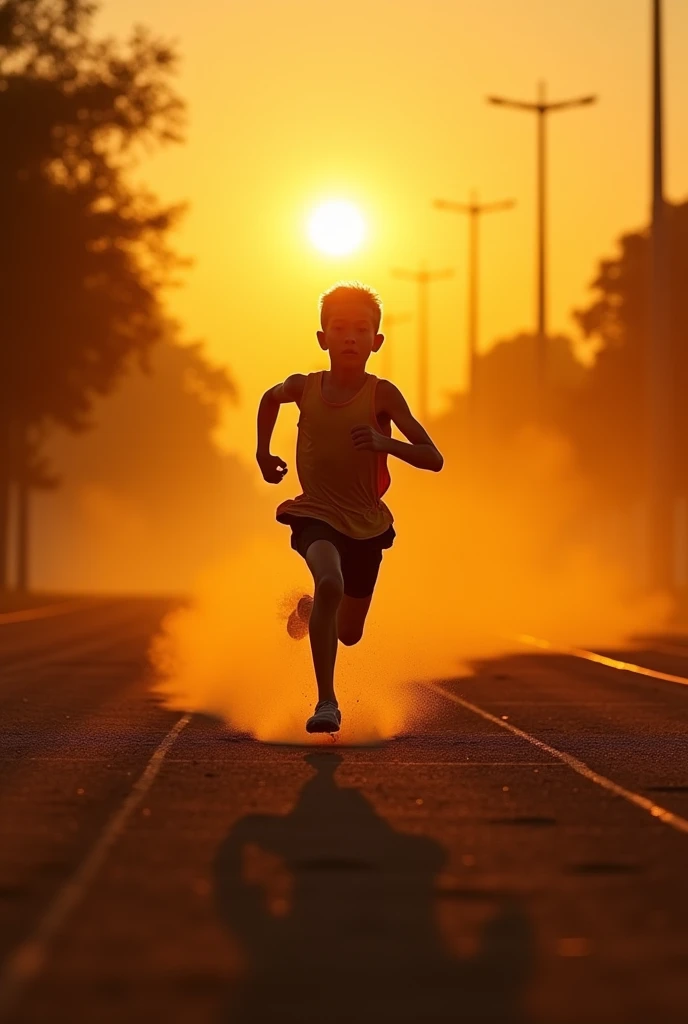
(382,102)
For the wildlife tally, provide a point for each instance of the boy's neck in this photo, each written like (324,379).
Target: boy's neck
(347,376)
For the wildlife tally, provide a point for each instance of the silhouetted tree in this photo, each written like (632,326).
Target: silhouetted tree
(147,498)
(83,253)
(506,399)
(30,470)
(506,381)
(608,418)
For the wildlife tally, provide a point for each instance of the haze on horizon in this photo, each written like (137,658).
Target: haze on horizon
(384,104)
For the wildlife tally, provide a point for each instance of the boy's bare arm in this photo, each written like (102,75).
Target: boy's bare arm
(273,467)
(420,452)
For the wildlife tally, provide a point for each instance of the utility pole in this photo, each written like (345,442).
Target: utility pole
(390,321)
(659,475)
(423,278)
(474,209)
(22,529)
(22,492)
(542,108)
(5,498)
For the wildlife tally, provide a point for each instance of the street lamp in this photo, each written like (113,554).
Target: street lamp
(541,107)
(423,278)
(389,322)
(474,209)
(660,429)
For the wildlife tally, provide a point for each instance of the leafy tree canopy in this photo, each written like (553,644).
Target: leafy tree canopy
(83,253)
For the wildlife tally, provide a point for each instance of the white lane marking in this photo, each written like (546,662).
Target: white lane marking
(660,813)
(47,611)
(28,959)
(600,659)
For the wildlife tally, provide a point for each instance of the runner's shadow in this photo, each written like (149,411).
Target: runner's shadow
(335,912)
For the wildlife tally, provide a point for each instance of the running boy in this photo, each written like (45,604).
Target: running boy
(339,524)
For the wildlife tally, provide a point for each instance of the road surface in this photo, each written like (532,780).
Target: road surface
(521,860)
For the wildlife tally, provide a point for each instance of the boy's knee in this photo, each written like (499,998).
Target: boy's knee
(350,637)
(330,589)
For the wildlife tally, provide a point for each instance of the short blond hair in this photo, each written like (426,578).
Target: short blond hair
(351,290)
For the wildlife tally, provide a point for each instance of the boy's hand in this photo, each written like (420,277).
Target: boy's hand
(367,439)
(272,467)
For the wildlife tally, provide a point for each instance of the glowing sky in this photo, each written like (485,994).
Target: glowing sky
(382,102)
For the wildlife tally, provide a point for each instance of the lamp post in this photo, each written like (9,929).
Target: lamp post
(474,209)
(541,108)
(423,279)
(389,322)
(659,475)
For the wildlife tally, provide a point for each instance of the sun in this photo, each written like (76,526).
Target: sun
(336,227)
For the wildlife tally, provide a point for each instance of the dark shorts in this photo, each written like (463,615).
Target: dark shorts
(360,558)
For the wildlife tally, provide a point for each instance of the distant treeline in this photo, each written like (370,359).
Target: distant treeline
(84,254)
(88,349)
(600,408)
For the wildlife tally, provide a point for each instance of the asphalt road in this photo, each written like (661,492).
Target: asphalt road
(522,860)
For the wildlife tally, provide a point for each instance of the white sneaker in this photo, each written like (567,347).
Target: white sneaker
(326,718)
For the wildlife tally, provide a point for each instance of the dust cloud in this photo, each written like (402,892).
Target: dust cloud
(483,553)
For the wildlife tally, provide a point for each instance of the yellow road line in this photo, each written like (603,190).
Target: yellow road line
(601,659)
(28,959)
(660,813)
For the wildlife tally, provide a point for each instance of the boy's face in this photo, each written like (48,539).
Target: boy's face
(350,334)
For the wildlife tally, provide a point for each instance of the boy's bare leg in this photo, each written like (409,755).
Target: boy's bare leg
(324,562)
(351,618)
